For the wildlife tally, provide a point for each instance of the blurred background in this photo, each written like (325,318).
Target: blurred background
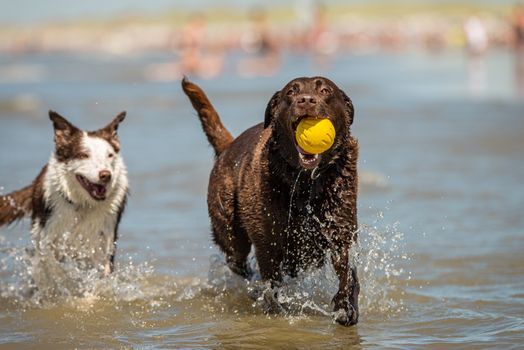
(250,38)
(438,88)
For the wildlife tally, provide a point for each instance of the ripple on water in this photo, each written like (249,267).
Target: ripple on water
(137,305)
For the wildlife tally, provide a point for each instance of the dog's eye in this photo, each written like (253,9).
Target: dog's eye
(325,91)
(110,155)
(290,92)
(82,155)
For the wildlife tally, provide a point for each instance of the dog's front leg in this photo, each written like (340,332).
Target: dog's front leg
(346,299)
(108,268)
(270,271)
(110,248)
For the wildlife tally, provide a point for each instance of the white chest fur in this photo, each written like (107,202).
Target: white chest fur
(82,234)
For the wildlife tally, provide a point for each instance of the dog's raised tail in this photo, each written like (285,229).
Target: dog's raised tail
(218,136)
(16,205)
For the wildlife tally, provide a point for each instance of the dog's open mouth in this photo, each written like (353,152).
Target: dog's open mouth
(97,191)
(307,160)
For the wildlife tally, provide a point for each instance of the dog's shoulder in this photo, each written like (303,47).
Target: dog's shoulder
(347,163)
(249,144)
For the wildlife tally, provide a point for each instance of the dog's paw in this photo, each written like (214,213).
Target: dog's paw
(346,317)
(243,270)
(344,313)
(270,299)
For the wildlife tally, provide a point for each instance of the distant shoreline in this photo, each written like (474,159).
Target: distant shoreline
(395,27)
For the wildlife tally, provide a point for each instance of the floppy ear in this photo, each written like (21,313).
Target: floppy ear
(63,128)
(348,109)
(270,109)
(110,130)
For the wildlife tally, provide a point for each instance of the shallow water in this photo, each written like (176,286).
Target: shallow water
(440,208)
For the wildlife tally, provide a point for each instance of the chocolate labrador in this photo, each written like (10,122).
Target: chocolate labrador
(294,207)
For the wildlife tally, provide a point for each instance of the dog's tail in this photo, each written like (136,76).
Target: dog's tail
(16,205)
(218,136)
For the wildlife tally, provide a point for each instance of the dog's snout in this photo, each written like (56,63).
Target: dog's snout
(306,100)
(104,176)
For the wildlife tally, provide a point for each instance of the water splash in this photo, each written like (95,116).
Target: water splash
(379,257)
(36,280)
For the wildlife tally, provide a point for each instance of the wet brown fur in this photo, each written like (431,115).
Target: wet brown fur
(216,133)
(259,194)
(16,205)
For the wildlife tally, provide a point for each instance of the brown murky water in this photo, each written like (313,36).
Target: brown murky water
(441,203)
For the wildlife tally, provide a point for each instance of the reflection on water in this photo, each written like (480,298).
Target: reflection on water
(440,210)
(477,75)
(519,71)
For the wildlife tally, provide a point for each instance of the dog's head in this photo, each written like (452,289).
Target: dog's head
(90,160)
(308,97)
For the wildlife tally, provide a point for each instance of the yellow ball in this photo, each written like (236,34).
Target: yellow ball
(315,135)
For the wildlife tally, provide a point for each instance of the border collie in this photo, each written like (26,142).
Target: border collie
(77,200)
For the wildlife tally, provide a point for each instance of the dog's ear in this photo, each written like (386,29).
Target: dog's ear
(271,108)
(348,108)
(113,126)
(109,132)
(63,128)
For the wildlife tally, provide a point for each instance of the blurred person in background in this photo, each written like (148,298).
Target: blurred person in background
(262,47)
(517,26)
(476,35)
(476,44)
(322,41)
(199,55)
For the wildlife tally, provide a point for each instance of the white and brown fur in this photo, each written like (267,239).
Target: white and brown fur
(77,200)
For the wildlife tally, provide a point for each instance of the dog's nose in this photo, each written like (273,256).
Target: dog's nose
(104,176)
(306,100)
